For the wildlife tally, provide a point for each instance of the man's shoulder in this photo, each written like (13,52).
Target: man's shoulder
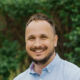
(23,75)
(71,70)
(70,66)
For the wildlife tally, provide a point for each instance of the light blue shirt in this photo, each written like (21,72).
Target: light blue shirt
(58,69)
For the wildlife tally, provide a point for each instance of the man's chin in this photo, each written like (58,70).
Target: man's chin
(40,61)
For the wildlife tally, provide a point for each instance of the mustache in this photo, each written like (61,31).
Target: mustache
(39,48)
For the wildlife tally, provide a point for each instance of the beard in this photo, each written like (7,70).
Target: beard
(41,61)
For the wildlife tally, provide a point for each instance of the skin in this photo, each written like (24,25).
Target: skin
(40,43)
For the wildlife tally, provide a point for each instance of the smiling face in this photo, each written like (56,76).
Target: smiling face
(40,40)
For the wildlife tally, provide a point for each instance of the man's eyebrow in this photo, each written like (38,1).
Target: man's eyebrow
(30,36)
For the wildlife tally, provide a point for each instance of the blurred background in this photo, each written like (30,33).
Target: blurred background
(13,17)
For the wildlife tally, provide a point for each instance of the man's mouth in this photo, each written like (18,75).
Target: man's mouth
(38,50)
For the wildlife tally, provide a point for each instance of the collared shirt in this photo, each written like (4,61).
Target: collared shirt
(58,69)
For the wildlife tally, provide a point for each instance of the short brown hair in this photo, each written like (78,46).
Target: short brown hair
(40,16)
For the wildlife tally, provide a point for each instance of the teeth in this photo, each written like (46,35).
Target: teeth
(38,50)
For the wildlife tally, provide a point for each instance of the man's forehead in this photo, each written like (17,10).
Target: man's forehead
(38,23)
(38,28)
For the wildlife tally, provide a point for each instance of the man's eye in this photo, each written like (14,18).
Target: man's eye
(44,37)
(31,38)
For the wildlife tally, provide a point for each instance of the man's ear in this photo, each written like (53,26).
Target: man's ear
(55,40)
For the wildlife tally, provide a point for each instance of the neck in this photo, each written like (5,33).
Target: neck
(38,67)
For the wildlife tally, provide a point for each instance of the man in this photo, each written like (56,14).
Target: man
(41,40)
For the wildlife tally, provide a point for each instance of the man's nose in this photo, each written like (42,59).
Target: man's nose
(37,43)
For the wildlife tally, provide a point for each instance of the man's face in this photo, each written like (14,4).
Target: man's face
(40,40)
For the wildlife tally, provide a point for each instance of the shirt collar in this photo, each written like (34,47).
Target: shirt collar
(53,64)
(49,67)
